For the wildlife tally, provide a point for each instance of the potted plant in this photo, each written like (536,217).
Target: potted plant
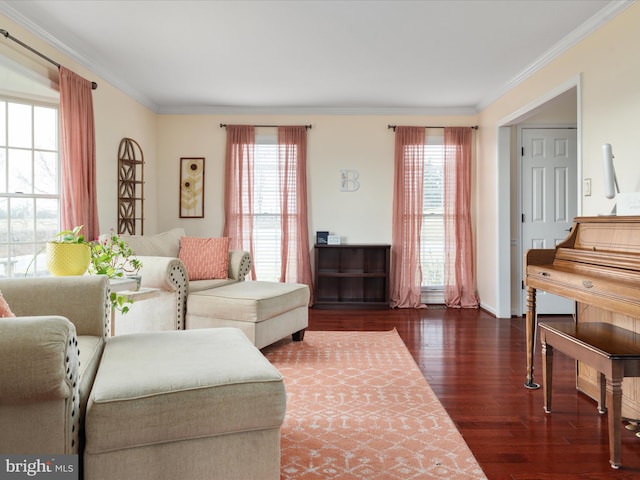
(112,256)
(68,253)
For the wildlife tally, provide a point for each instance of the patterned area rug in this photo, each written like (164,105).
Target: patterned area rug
(358,407)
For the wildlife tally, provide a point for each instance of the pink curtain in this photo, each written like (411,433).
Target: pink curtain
(78,197)
(459,288)
(238,181)
(406,273)
(292,177)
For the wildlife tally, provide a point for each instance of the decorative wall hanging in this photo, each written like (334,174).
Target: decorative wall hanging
(130,187)
(349,180)
(192,187)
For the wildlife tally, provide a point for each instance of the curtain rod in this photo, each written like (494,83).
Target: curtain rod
(224,125)
(393,127)
(6,34)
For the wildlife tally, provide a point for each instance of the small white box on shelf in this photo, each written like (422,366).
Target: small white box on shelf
(333,240)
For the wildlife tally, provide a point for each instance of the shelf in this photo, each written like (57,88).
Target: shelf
(130,187)
(352,276)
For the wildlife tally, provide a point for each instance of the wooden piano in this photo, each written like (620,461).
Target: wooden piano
(598,266)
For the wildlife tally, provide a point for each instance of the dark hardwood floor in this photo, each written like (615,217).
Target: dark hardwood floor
(475,364)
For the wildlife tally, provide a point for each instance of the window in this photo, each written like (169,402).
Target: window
(264,181)
(29,184)
(267,230)
(432,234)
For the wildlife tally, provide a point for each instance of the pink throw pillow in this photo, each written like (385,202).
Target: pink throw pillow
(205,258)
(5,311)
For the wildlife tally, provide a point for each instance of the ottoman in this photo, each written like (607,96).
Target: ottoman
(264,311)
(188,405)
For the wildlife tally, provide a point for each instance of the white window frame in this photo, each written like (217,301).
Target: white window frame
(22,250)
(266,241)
(434,157)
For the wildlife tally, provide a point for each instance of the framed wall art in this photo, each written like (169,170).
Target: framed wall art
(192,187)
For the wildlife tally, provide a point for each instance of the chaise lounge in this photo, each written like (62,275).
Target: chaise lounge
(264,311)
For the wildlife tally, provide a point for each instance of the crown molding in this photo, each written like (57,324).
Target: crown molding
(95,67)
(580,33)
(584,30)
(77,56)
(336,110)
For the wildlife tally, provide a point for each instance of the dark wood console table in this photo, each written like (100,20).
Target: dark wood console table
(613,351)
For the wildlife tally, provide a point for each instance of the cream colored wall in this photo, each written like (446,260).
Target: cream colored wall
(561,111)
(335,142)
(608,66)
(116,116)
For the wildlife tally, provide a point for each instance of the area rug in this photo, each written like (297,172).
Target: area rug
(358,407)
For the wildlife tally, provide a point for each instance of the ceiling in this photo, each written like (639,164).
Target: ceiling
(279,56)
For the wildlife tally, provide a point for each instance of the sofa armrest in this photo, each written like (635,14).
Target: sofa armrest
(35,354)
(169,274)
(165,273)
(84,300)
(239,264)
(39,385)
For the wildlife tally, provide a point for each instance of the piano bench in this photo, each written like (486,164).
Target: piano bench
(613,351)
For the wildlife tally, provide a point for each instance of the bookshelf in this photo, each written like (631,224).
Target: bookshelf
(352,276)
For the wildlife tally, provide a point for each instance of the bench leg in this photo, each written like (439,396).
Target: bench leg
(299,335)
(614,401)
(547,374)
(602,400)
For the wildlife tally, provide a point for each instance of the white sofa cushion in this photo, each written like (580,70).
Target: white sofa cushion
(248,301)
(165,244)
(160,387)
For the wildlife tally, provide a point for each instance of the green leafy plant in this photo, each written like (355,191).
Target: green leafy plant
(113,257)
(70,236)
(120,303)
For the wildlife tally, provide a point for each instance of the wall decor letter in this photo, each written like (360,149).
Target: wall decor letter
(349,180)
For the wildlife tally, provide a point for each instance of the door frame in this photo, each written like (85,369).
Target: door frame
(503,205)
(520,307)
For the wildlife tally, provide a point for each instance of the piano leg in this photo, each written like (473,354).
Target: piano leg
(531,336)
(547,373)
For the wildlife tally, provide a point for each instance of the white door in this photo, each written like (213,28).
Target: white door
(549,197)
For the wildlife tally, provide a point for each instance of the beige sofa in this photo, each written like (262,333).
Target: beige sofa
(162,269)
(179,404)
(264,311)
(49,356)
